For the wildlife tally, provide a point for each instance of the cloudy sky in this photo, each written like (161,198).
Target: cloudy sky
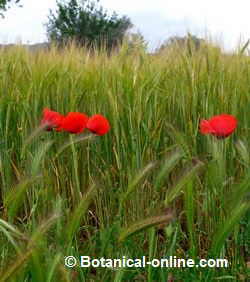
(227,22)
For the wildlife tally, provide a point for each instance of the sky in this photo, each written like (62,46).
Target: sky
(225,22)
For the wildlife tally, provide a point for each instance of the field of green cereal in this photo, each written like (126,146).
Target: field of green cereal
(153,186)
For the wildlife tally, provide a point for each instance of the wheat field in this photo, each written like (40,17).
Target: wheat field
(153,186)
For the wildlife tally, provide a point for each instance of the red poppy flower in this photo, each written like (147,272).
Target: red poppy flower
(51,119)
(220,126)
(98,124)
(74,122)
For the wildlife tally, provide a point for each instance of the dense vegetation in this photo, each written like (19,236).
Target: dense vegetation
(87,24)
(152,186)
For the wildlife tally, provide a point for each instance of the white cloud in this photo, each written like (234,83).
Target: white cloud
(27,22)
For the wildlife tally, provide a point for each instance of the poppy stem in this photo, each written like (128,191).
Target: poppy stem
(218,152)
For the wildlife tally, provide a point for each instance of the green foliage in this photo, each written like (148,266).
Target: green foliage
(4,5)
(153,186)
(87,24)
(190,43)
(141,225)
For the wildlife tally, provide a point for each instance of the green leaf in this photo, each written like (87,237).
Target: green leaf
(15,196)
(225,228)
(144,224)
(133,184)
(168,165)
(75,217)
(189,172)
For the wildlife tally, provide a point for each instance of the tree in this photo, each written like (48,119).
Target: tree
(4,5)
(187,42)
(87,24)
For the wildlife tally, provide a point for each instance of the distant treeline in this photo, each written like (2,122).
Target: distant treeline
(32,47)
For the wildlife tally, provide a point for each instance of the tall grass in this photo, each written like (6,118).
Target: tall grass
(152,186)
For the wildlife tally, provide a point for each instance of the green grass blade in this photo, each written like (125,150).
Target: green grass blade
(53,266)
(15,267)
(144,224)
(167,166)
(242,50)
(74,141)
(15,196)
(152,249)
(189,172)
(189,197)
(225,228)
(136,180)
(36,162)
(79,212)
